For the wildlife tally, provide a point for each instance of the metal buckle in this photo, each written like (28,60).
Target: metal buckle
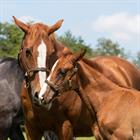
(27,84)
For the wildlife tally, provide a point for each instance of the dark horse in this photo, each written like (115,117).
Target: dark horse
(11,115)
(38,53)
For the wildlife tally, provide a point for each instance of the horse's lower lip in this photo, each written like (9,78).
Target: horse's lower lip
(48,105)
(49,101)
(37,101)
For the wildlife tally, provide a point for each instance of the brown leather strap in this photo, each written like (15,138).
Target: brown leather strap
(39,69)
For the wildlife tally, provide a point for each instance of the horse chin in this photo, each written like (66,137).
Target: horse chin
(43,104)
(48,106)
(49,103)
(38,103)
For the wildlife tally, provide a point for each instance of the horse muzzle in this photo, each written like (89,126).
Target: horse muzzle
(38,101)
(44,100)
(43,103)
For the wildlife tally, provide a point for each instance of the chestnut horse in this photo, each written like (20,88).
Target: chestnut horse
(118,70)
(32,58)
(115,110)
(38,53)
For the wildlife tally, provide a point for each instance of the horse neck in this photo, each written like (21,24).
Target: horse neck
(94,84)
(58,46)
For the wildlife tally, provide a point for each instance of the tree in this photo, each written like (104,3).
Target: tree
(75,43)
(10,40)
(107,47)
(137,60)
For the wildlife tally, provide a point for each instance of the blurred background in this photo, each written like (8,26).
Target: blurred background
(104,27)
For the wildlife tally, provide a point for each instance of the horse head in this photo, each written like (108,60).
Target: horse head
(37,52)
(62,76)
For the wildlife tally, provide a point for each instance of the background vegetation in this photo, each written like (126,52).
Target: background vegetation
(11,37)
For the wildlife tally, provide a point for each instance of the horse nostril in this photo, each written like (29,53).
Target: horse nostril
(36,95)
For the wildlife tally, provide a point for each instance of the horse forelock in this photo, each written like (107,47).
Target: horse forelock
(36,33)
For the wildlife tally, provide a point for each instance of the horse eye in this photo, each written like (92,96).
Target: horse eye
(63,71)
(28,52)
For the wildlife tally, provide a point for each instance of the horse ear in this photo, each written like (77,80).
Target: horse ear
(55,27)
(79,55)
(24,27)
(66,51)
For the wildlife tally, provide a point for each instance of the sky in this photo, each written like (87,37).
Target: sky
(118,20)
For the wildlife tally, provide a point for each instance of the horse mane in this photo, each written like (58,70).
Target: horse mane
(97,78)
(92,64)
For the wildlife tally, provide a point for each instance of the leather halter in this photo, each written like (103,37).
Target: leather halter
(67,82)
(44,69)
(29,70)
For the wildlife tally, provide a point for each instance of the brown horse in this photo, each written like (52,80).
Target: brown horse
(118,70)
(116,109)
(38,52)
(38,39)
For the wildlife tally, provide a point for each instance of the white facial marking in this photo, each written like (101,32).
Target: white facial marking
(41,62)
(45,85)
(42,91)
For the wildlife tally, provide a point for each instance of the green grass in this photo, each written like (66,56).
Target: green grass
(79,138)
(86,138)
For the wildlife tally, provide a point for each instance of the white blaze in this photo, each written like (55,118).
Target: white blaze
(41,62)
(45,85)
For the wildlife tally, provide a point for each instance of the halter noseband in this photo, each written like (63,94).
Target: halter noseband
(44,69)
(29,70)
(57,88)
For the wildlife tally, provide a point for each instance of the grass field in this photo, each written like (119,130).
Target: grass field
(83,138)
(86,138)
(79,138)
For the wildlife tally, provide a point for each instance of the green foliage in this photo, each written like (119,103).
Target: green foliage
(10,40)
(85,138)
(137,60)
(75,43)
(103,47)
(11,37)
(107,47)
